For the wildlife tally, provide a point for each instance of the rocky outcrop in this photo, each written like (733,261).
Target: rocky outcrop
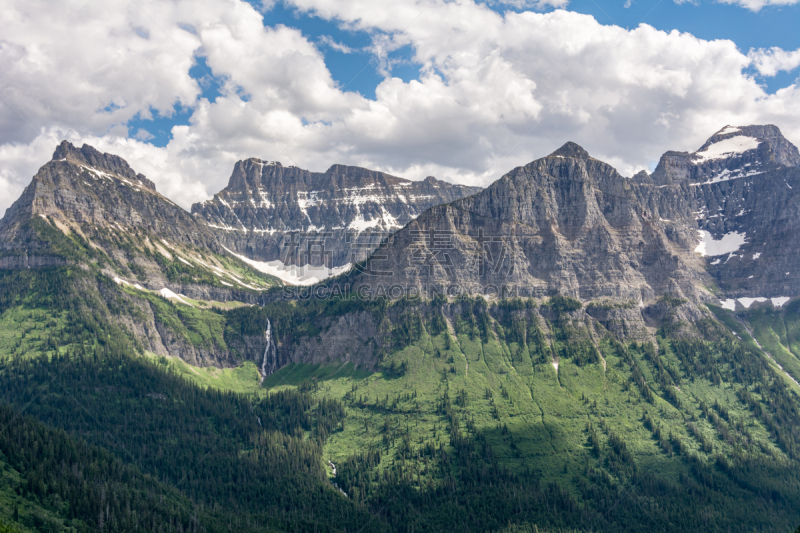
(18,262)
(730,153)
(270,212)
(356,337)
(740,192)
(714,225)
(566,224)
(721,224)
(85,191)
(158,338)
(363,338)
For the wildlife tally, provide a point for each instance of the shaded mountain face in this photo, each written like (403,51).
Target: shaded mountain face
(269,212)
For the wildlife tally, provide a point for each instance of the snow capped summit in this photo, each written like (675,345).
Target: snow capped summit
(732,141)
(731,153)
(725,148)
(728,129)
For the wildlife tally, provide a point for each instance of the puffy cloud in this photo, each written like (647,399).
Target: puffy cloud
(91,65)
(498,89)
(757,5)
(770,61)
(530,4)
(143,135)
(330,42)
(494,91)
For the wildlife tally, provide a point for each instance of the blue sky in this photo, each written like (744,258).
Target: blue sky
(357,70)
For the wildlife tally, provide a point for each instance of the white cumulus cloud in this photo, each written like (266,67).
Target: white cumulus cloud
(494,90)
(757,5)
(770,61)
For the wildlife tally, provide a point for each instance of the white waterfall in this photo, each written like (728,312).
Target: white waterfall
(270,362)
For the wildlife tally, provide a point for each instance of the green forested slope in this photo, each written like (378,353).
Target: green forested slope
(260,460)
(53,482)
(474,422)
(777,331)
(468,424)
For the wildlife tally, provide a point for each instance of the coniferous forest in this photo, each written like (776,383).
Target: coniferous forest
(96,436)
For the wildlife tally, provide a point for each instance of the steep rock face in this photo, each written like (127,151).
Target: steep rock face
(83,197)
(723,219)
(92,211)
(269,212)
(84,187)
(739,192)
(566,223)
(731,153)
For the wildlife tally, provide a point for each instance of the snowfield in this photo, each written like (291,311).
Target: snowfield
(293,274)
(729,243)
(726,148)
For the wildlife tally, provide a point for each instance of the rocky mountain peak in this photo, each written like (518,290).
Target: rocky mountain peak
(99,197)
(732,152)
(88,156)
(783,151)
(572,150)
(268,209)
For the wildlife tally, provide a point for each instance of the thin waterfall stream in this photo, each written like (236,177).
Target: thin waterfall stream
(270,362)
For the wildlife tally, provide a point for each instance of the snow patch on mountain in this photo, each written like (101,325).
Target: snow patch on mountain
(359,224)
(729,243)
(728,174)
(726,148)
(728,129)
(293,274)
(730,303)
(169,295)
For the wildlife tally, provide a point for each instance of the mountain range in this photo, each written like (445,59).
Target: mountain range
(272,213)
(718,223)
(566,349)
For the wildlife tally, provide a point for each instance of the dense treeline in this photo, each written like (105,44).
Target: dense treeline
(225,460)
(470,491)
(464,487)
(87,488)
(251,459)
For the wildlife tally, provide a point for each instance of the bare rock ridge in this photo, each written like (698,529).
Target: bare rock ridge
(85,190)
(739,191)
(270,212)
(90,210)
(729,153)
(717,225)
(88,156)
(566,223)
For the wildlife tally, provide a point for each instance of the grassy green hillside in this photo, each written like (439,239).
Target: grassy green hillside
(511,416)
(464,405)
(777,331)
